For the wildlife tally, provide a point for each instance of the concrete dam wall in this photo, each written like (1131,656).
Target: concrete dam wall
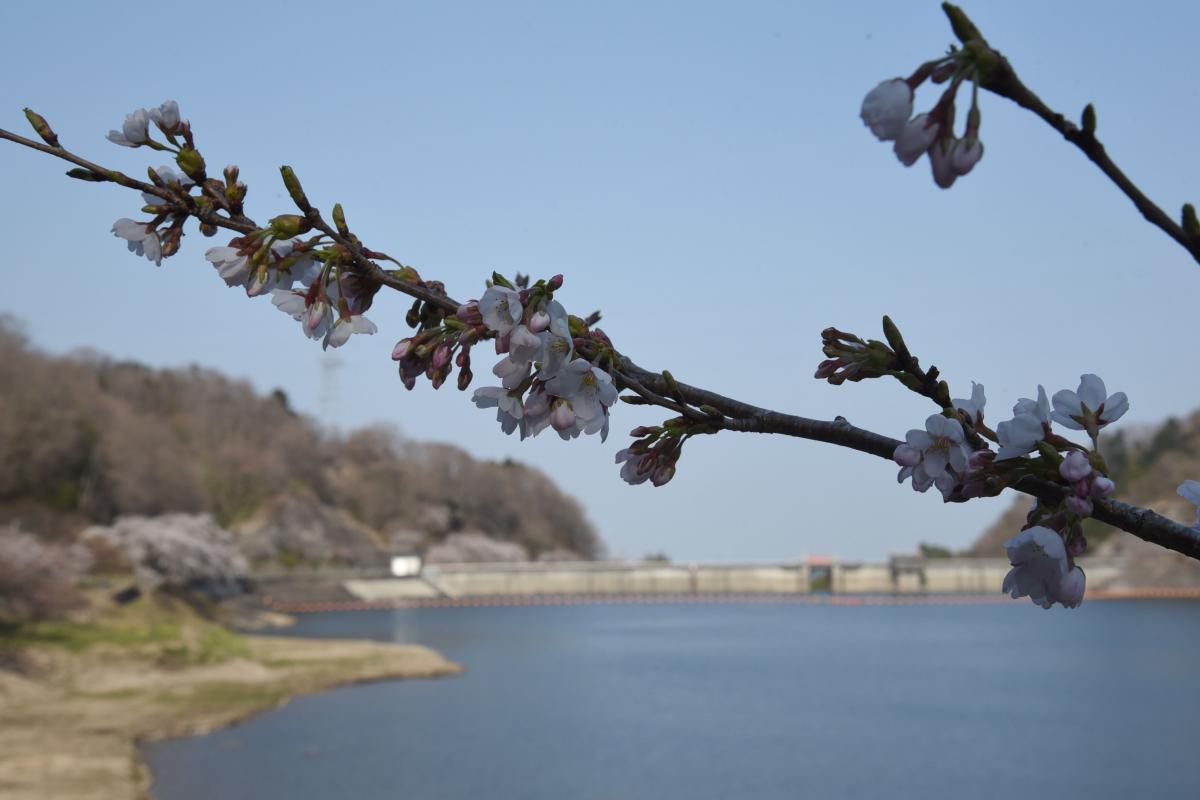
(899,576)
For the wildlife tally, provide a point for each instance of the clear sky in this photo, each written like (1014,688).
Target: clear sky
(697,171)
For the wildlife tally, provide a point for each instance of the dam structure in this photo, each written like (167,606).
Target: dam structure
(901,578)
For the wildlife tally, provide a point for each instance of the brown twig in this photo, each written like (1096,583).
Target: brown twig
(1002,80)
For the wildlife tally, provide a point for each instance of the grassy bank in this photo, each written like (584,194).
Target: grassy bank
(84,693)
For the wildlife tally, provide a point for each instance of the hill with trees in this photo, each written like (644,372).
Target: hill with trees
(87,439)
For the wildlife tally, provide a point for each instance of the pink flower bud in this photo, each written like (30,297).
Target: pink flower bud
(555,283)
(562,417)
(1070,591)
(1077,545)
(1079,506)
(401,349)
(1102,486)
(441,356)
(662,474)
(940,161)
(1075,467)
(539,322)
(464,379)
(469,313)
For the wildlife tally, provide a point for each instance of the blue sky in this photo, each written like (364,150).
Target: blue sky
(697,171)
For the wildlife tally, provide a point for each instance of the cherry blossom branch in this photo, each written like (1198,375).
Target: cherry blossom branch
(999,78)
(444,324)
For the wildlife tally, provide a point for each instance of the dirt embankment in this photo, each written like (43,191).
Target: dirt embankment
(71,718)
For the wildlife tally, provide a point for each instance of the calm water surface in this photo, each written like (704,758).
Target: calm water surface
(736,701)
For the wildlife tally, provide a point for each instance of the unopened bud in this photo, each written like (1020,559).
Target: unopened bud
(42,127)
(672,385)
(286,226)
(1077,545)
(944,73)
(464,378)
(231,175)
(662,474)
(1079,506)
(80,174)
(539,321)
(401,349)
(463,359)
(294,188)
(562,417)
(960,23)
(1075,466)
(208,229)
(441,356)
(339,219)
(192,163)
(1191,225)
(1088,120)
(469,313)
(170,242)
(1102,486)
(555,283)
(892,334)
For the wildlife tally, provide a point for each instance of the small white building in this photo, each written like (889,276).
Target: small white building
(406,566)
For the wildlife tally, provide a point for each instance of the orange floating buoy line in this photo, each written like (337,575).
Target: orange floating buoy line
(848,600)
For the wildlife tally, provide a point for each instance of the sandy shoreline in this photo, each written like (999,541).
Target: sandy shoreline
(71,724)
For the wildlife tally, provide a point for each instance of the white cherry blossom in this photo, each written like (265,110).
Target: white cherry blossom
(134,131)
(1030,422)
(509,408)
(1090,407)
(139,238)
(339,333)
(501,309)
(887,107)
(558,348)
(1040,569)
(973,407)
(511,372)
(635,467)
(524,345)
(166,116)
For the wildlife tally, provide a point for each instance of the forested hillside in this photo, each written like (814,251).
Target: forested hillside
(85,439)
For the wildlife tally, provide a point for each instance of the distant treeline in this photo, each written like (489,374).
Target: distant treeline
(85,439)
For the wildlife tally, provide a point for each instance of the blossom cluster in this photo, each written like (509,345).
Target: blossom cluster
(945,455)
(544,382)
(330,302)
(888,111)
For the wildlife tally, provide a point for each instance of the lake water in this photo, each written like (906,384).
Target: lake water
(736,702)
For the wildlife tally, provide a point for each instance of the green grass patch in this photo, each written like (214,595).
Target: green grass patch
(76,637)
(212,696)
